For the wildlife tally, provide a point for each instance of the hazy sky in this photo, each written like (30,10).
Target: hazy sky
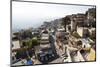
(25,14)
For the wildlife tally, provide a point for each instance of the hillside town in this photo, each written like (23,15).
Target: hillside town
(68,39)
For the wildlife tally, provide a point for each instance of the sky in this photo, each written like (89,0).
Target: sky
(25,14)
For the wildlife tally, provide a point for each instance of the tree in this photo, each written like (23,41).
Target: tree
(65,21)
(21,54)
(35,42)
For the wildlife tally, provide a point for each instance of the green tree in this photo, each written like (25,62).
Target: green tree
(35,42)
